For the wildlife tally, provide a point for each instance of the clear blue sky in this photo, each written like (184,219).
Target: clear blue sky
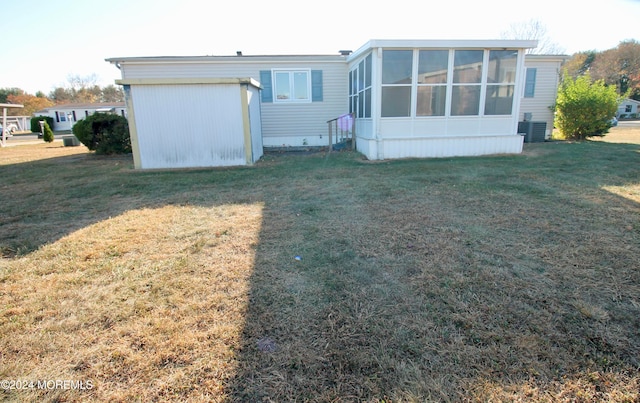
(46,41)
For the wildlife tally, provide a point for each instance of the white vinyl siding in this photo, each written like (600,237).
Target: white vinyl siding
(544,97)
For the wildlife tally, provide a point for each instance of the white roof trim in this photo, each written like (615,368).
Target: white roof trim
(187,80)
(228,59)
(630,101)
(444,43)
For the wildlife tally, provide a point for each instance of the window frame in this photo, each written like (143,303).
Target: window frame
(480,86)
(292,87)
(433,86)
(480,83)
(397,88)
(360,88)
(505,85)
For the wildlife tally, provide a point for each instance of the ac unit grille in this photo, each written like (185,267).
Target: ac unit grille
(534,132)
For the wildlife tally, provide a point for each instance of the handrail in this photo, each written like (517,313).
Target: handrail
(345,128)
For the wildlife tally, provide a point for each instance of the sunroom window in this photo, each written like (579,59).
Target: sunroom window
(433,66)
(501,78)
(397,72)
(360,89)
(424,83)
(467,82)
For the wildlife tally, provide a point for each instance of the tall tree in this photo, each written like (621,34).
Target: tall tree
(31,104)
(619,67)
(5,92)
(61,95)
(111,93)
(77,82)
(533,29)
(85,90)
(580,63)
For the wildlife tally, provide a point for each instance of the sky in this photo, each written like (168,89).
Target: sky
(45,42)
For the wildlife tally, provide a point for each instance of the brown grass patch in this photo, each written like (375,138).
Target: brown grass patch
(146,306)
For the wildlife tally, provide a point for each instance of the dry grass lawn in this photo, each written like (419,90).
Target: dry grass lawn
(323,278)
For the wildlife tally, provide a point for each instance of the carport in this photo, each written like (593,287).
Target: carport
(4,120)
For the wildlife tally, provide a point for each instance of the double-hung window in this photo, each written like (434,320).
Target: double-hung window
(292,86)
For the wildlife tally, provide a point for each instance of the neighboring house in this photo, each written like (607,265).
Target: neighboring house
(65,115)
(542,77)
(411,98)
(628,109)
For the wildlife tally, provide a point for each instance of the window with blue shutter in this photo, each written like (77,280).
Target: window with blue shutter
(530,83)
(267,87)
(291,86)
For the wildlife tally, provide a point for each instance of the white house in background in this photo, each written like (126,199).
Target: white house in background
(628,108)
(410,98)
(66,114)
(542,77)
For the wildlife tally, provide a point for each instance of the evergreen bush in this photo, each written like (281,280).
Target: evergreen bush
(48,133)
(35,123)
(104,133)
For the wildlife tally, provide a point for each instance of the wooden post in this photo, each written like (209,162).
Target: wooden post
(353,132)
(4,126)
(330,145)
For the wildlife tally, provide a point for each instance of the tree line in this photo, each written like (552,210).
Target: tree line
(619,67)
(78,90)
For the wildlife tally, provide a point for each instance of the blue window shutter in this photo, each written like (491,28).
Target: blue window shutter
(316,85)
(267,87)
(530,83)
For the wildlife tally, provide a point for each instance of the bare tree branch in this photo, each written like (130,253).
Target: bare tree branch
(533,30)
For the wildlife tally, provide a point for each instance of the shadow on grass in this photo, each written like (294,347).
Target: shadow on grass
(452,279)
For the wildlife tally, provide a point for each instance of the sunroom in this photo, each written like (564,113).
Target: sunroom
(437,98)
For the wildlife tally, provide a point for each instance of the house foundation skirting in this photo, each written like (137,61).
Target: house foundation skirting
(437,147)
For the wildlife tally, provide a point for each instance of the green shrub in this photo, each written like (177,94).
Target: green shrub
(35,123)
(48,133)
(104,133)
(585,108)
